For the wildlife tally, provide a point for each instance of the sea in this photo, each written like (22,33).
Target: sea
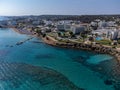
(34,65)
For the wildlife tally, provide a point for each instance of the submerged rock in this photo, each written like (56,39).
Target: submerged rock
(18,74)
(44,56)
(108,82)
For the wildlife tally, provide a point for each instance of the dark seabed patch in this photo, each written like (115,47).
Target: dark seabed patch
(80,59)
(44,56)
(109,70)
(17,74)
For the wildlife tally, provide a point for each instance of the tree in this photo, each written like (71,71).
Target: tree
(84,36)
(44,35)
(59,34)
(71,34)
(38,31)
(119,41)
(91,39)
(94,27)
(96,34)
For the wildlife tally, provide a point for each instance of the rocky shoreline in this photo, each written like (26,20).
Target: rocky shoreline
(89,47)
(80,46)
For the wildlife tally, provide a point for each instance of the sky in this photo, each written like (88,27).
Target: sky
(58,7)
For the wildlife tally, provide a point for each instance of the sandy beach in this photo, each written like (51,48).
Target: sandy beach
(22,31)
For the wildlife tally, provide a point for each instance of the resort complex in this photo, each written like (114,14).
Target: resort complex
(98,33)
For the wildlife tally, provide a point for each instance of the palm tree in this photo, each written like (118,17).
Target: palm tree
(96,35)
(71,33)
(59,34)
(44,35)
(84,36)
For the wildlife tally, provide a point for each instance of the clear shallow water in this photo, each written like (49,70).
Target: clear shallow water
(74,69)
(99,58)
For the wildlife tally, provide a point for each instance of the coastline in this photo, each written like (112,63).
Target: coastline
(102,49)
(16,30)
(80,46)
(43,51)
(22,31)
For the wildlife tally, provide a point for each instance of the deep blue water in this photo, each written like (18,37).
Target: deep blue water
(34,65)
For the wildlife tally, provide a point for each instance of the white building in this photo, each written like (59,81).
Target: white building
(65,22)
(111,24)
(64,27)
(112,34)
(48,22)
(107,33)
(77,29)
(102,24)
(118,34)
(100,32)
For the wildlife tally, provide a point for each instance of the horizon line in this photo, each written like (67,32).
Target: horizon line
(56,15)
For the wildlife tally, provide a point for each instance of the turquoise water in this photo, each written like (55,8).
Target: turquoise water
(34,65)
(99,58)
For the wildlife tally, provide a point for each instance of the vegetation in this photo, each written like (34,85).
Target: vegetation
(79,40)
(44,35)
(84,36)
(64,41)
(71,33)
(54,35)
(59,34)
(104,42)
(91,39)
(119,41)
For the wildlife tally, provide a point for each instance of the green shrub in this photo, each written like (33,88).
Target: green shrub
(119,41)
(104,42)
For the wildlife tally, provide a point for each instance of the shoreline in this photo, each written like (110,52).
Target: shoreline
(16,30)
(102,49)
(82,46)
(22,31)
